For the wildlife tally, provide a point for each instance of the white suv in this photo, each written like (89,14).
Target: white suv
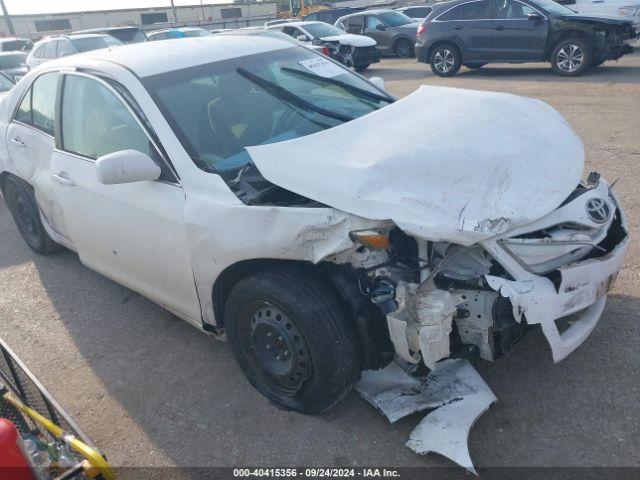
(65,45)
(261,190)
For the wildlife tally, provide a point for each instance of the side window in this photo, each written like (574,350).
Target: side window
(95,122)
(39,51)
(50,49)
(355,24)
(291,31)
(39,103)
(373,22)
(311,17)
(513,10)
(453,14)
(476,10)
(65,48)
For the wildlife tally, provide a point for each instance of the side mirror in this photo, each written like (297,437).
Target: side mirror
(126,166)
(379,26)
(302,38)
(535,16)
(378,82)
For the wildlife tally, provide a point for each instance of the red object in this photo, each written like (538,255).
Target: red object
(325,51)
(13,463)
(421,29)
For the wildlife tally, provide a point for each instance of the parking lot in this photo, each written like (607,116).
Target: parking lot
(150,390)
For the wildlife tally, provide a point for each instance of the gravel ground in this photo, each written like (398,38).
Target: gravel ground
(151,390)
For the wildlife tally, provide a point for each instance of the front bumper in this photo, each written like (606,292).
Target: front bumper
(573,296)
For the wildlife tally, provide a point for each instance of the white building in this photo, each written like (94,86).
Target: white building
(229,15)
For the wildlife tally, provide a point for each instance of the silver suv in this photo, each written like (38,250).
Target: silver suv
(65,45)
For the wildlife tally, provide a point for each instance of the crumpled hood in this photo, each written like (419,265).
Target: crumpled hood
(351,40)
(607,19)
(444,164)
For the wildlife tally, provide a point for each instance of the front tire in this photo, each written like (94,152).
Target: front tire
(403,48)
(445,60)
(571,57)
(24,210)
(292,339)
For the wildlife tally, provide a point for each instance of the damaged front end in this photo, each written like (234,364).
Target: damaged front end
(440,298)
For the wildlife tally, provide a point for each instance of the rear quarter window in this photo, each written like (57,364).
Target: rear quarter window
(453,14)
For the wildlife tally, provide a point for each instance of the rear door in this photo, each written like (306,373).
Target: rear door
(30,142)
(519,32)
(473,30)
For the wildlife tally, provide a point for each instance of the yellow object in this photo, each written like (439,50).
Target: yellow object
(95,462)
(371,238)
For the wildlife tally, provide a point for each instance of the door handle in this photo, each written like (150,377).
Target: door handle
(458,27)
(499,28)
(63,179)
(19,142)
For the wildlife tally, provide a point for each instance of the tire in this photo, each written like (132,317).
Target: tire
(445,60)
(403,48)
(362,68)
(474,65)
(276,311)
(571,57)
(24,210)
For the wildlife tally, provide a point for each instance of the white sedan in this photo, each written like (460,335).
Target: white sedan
(256,188)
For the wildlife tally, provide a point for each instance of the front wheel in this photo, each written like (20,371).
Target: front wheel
(403,48)
(445,60)
(571,57)
(362,68)
(292,339)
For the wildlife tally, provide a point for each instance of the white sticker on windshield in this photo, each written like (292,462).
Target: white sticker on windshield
(322,67)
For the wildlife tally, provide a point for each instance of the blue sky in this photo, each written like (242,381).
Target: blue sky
(17,7)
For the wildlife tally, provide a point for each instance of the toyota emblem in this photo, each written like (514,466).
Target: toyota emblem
(598,210)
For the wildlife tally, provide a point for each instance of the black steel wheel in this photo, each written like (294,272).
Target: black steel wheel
(24,210)
(292,339)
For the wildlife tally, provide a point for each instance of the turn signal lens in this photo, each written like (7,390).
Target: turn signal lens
(325,51)
(371,239)
(421,29)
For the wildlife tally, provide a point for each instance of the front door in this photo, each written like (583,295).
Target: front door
(377,30)
(519,32)
(474,30)
(134,232)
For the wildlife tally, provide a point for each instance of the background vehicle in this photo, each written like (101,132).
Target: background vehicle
(416,13)
(182,32)
(393,31)
(124,34)
(14,64)
(65,45)
(13,44)
(279,21)
(6,84)
(631,12)
(599,7)
(474,33)
(330,15)
(355,51)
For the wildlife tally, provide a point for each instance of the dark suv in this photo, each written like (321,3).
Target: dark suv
(476,32)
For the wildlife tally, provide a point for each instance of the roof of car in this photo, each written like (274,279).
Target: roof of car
(14,52)
(146,59)
(301,23)
(74,36)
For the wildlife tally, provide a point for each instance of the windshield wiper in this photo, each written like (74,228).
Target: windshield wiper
(339,83)
(286,95)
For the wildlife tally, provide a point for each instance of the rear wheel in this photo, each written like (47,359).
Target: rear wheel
(403,48)
(24,210)
(445,60)
(571,57)
(292,339)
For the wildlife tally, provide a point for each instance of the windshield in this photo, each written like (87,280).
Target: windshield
(321,30)
(196,33)
(394,19)
(218,109)
(15,60)
(5,84)
(94,43)
(552,7)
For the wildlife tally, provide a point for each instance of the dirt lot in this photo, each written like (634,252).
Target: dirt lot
(153,391)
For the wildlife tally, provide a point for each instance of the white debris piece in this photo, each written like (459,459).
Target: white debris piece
(454,389)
